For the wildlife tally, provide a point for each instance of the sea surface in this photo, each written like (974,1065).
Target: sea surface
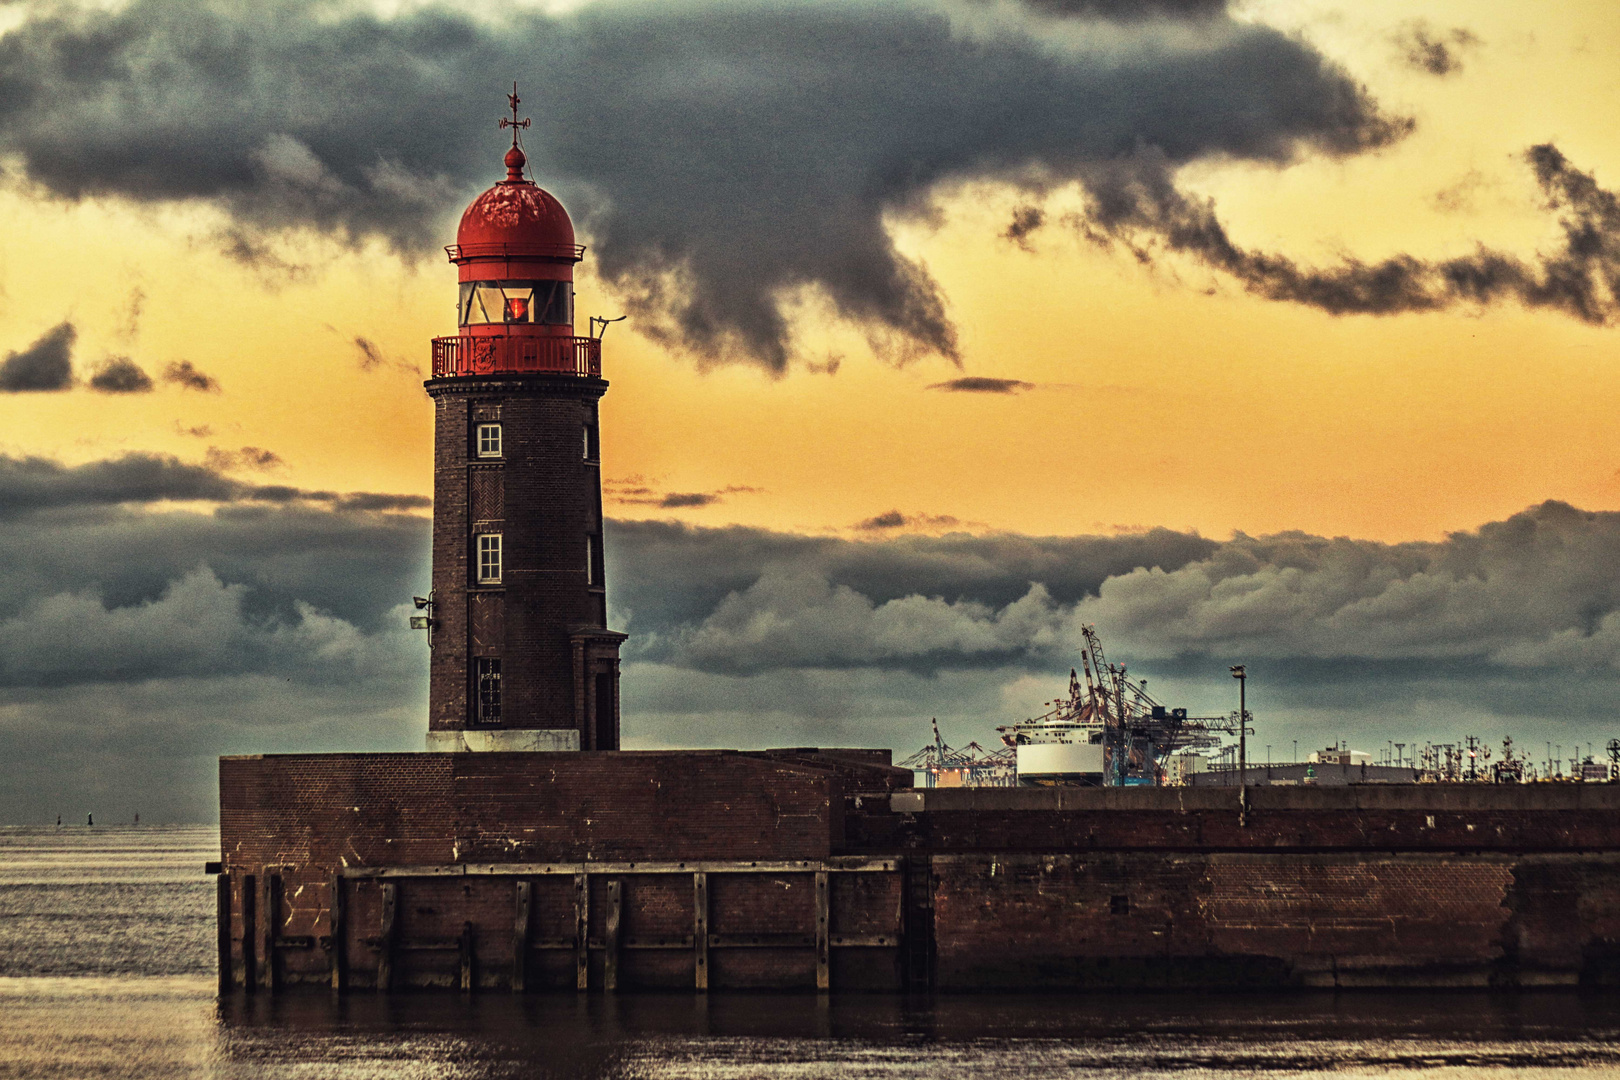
(106,970)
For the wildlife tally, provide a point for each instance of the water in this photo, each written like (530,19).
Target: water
(106,970)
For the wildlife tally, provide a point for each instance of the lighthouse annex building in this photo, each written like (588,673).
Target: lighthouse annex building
(523,851)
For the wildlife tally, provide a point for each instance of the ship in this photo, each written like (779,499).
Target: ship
(1110,732)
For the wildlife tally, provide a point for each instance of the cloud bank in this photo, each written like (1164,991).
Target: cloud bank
(138,641)
(724,155)
(1535,590)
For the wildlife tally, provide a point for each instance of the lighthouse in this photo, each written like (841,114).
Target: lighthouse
(521,657)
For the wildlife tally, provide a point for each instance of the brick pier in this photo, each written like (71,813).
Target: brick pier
(802,868)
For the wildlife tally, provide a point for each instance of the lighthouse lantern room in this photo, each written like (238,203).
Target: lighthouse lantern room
(521,655)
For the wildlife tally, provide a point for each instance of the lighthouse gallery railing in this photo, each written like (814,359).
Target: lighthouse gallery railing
(466,355)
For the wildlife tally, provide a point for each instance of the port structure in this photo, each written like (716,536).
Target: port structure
(1108,731)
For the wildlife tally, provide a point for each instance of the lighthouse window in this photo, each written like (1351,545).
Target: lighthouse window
(488,674)
(591,577)
(502,302)
(489,558)
(489,440)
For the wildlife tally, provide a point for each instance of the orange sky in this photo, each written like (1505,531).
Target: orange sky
(1164,397)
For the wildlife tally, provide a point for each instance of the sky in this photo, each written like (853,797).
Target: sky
(1268,333)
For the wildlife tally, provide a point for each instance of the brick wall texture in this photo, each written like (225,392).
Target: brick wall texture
(544,497)
(1421,885)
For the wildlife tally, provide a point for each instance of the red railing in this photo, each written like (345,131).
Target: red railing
(460,253)
(454,356)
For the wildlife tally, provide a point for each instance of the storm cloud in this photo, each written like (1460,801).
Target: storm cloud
(721,156)
(640,491)
(1429,50)
(1537,589)
(185,374)
(980,384)
(32,484)
(136,646)
(47,364)
(139,640)
(1136,204)
(121,375)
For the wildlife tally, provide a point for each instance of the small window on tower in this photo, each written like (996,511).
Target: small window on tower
(590,560)
(489,558)
(487,672)
(593,448)
(489,440)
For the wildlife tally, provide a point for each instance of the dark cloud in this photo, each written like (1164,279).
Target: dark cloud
(1025,221)
(721,155)
(130,325)
(136,645)
(121,375)
(1534,591)
(1460,196)
(891,519)
(665,576)
(894,519)
(677,499)
(979,384)
(1436,52)
(31,484)
(241,244)
(638,491)
(185,374)
(740,636)
(47,364)
(362,501)
(254,458)
(1136,204)
(1128,10)
(828,366)
(370,356)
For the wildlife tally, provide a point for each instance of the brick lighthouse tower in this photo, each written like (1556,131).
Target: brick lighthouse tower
(521,655)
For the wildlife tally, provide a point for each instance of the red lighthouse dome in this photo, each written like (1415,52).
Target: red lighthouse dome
(515,256)
(516,217)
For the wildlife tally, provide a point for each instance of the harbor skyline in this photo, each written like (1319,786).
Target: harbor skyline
(1263,334)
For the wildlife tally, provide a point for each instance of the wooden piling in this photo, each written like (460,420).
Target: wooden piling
(339,930)
(610,957)
(700,930)
(823,949)
(250,933)
(385,937)
(269,924)
(222,932)
(465,947)
(582,926)
(520,935)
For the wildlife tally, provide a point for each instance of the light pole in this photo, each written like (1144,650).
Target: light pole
(1243,724)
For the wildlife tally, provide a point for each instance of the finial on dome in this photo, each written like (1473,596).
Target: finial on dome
(515,158)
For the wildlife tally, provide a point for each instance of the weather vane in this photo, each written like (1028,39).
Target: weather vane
(514,123)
